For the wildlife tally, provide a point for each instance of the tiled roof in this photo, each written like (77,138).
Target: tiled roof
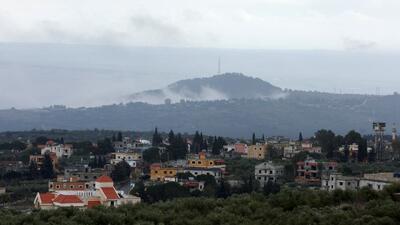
(110,193)
(46,198)
(93,203)
(104,179)
(66,199)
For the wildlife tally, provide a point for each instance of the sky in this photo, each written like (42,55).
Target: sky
(361,36)
(244,24)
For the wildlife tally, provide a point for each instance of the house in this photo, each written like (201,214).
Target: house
(39,159)
(268,172)
(291,150)
(127,144)
(200,161)
(61,150)
(375,181)
(257,151)
(217,173)
(308,146)
(241,148)
(310,171)
(133,158)
(336,181)
(76,194)
(160,173)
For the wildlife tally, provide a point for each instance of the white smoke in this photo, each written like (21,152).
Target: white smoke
(206,93)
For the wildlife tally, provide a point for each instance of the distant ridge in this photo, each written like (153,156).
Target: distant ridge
(228,104)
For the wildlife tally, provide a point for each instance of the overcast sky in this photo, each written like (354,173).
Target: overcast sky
(364,32)
(267,24)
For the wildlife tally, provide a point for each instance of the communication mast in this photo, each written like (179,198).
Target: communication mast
(379,130)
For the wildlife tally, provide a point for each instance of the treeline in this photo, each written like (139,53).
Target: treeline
(302,207)
(176,146)
(330,144)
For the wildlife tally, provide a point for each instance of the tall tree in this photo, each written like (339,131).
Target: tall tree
(326,139)
(253,139)
(47,168)
(119,136)
(157,139)
(121,172)
(33,169)
(300,137)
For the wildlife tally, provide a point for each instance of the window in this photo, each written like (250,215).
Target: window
(71,186)
(51,186)
(341,183)
(193,162)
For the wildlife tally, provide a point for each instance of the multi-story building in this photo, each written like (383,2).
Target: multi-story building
(336,181)
(291,150)
(133,158)
(127,144)
(61,150)
(160,173)
(268,172)
(258,151)
(241,148)
(200,161)
(39,159)
(310,171)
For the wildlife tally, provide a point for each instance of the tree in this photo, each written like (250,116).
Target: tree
(326,139)
(121,172)
(300,137)
(253,139)
(157,139)
(33,170)
(271,188)
(47,169)
(224,190)
(105,146)
(119,136)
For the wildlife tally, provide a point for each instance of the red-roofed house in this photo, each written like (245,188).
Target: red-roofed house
(103,193)
(68,201)
(44,200)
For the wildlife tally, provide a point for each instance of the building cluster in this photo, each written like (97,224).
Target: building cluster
(82,194)
(195,165)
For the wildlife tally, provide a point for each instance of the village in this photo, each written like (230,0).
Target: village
(123,170)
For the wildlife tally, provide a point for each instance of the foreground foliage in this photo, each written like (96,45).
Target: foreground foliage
(286,207)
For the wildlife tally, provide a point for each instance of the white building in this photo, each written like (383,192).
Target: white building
(338,182)
(132,158)
(61,150)
(215,172)
(268,172)
(375,181)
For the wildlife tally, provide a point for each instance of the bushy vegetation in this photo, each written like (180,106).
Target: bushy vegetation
(364,207)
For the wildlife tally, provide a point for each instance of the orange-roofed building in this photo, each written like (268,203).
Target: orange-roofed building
(68,201)
(44,200)
(93,202)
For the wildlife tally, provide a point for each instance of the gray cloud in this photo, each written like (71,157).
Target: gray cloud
(157,30)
